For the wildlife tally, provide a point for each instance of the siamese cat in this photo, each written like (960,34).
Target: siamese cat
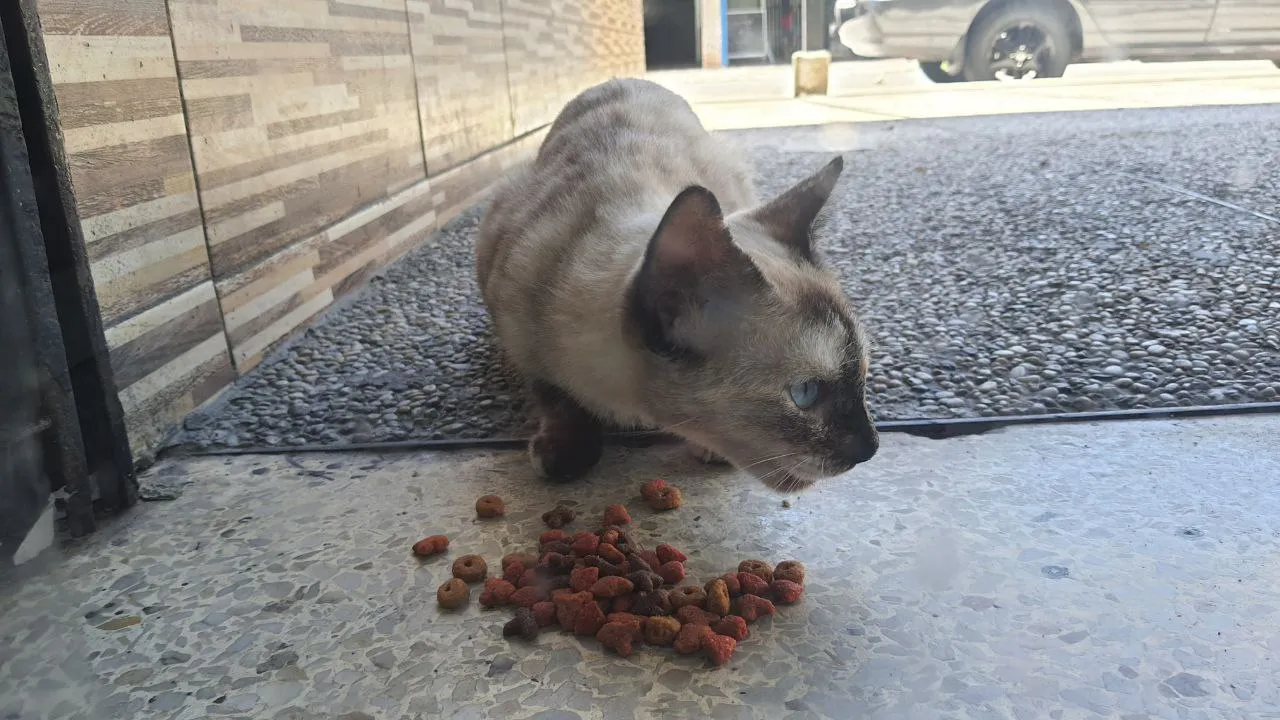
(634,280)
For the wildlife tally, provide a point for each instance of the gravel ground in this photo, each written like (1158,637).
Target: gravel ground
(1005,265)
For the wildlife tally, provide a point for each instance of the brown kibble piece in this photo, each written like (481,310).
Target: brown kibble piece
(611,553)
(790,570)
(694,615)
(718,597)
(453,594)
(559,516)
(731,625)
(688,595)
(753,607)
(759,568)
(470,568)
(617,514)
(657,602)
(731,582)
(644,581)
(752,584)
(524,625)
(496,592)
(611,587)
(719,648)
(672,572)
(666,498)
(636,622)
(581,579)
(557,563)
(786,592)
(690,638)
(545,613)
(660,630)
(589,620)
(431,545)
(490,506)
(617,637)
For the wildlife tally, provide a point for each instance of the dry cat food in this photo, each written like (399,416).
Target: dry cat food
(559,516)
(470,568)
(604,584)
(490,506)
(431,545)
(453,594)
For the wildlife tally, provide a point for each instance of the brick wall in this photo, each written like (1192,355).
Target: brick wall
(239,165)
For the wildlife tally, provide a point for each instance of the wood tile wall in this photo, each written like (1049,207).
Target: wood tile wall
(241,164)
(120,110)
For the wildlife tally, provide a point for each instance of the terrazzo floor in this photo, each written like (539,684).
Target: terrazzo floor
(1109,570)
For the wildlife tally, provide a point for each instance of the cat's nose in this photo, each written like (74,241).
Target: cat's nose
(858,448)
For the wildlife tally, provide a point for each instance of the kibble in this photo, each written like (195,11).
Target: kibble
(453,594)
(523,625)
(470,568)
(672,572)
(694,615)
(617,515)
(690,638)
(490,506)
(790,570)
(431,545)
(753,607)
(589,620)
(688,595)
(786,592)
(581,579)
(718,648)
(616,636)
(661,630)
(666,498)
(611,587)
(667,553)
(733,626)
(717,597)
(553,536)
(559,516)
(497,592)
(530,595)
(752,584)
(545,613)
(759,568)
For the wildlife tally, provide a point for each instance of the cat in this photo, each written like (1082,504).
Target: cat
(633,279)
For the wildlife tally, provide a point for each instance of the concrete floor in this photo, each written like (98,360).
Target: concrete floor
(1108,570)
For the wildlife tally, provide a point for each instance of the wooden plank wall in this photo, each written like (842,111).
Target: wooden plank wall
(239,165)
(120,112)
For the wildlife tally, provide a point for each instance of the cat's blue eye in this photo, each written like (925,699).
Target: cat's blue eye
(805,394)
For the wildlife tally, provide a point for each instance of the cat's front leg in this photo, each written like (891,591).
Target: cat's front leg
(569,440)
(704,455)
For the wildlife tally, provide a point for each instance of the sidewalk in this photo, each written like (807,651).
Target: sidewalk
(1070,571)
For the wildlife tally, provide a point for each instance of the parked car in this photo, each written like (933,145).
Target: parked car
(957,40)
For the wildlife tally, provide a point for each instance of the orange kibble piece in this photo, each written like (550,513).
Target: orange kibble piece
(431,545)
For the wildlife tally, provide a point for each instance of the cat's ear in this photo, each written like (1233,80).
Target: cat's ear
(692,275)
(790,217)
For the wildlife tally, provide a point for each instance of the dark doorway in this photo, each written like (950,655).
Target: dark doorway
(64,452)
(671,34)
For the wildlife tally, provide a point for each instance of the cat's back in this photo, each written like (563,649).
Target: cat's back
(622,147)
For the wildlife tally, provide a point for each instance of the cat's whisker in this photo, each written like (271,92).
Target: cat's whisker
(765,460)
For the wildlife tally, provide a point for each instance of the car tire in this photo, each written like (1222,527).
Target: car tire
(935,72)
(1014,37)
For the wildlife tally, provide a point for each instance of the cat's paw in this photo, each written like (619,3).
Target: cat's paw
(562,458)
(704,455)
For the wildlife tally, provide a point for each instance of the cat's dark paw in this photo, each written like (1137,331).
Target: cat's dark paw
(564,457)
(704,455)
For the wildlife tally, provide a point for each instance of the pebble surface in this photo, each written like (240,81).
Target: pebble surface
(1004,265)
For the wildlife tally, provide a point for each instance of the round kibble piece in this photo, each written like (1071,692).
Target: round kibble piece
(431,545)
(617,514)
(470,568)
(490,506)
(660,630)
(524,625)
(759,568)
(453,594)
(688,595)
(790,570)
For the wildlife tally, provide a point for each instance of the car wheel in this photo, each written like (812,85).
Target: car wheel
(937,73)
(1019,41)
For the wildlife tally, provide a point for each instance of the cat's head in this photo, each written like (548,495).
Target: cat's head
(755,351)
